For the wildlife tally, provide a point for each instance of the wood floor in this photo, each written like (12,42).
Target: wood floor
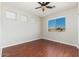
(40,48)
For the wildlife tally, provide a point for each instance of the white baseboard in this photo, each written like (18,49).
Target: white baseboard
(0,52)
(60,42)
(40,38)
(20,42)
(77,46)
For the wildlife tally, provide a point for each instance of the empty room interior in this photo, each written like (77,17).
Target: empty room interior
(39,29)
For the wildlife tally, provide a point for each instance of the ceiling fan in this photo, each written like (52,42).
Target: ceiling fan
(44,5)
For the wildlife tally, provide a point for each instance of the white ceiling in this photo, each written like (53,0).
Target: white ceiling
(30,7)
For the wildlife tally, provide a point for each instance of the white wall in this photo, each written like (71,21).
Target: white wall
(16,31)
(0,31)
(70,35)
(78,25)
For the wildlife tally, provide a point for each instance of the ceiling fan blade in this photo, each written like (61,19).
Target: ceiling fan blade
(47,3)
(53,6)
(37,7)
(40,3)
(50,7)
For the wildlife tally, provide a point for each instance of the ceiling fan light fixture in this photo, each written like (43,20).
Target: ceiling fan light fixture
(44,6)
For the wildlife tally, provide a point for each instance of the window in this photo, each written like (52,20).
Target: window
(10,15)
(56,25)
